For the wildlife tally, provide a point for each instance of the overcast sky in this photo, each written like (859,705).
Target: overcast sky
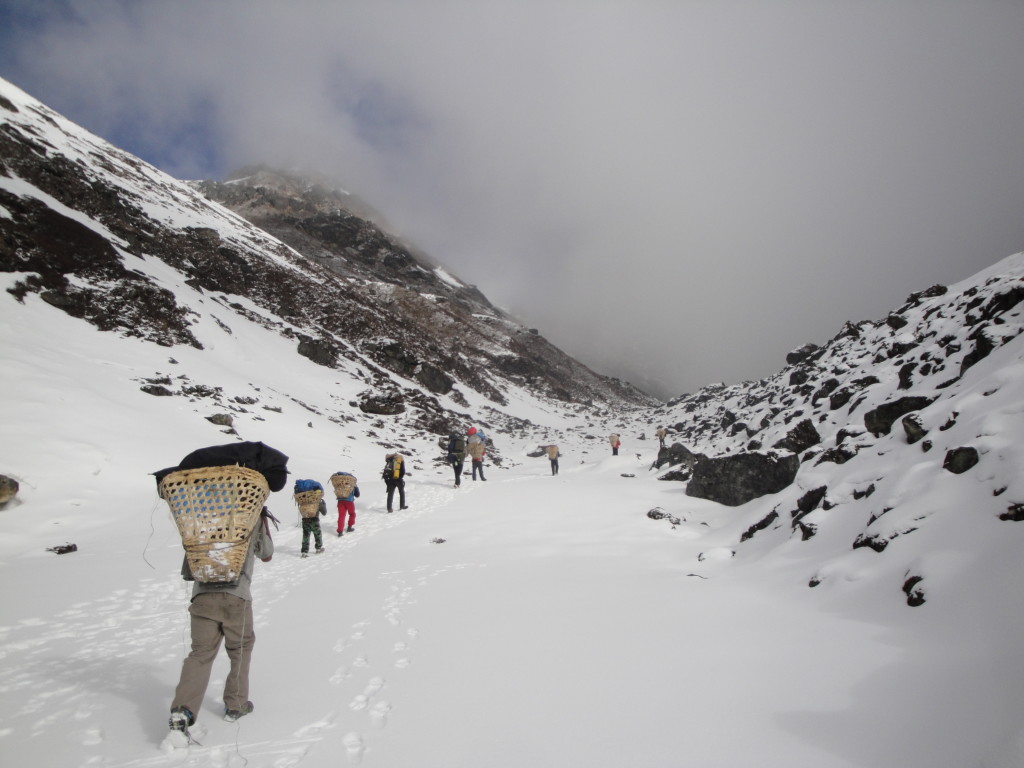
(676,192)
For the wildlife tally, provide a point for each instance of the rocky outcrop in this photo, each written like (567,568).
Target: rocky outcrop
(800,438)
(675,455)
(880,420)
(735,480)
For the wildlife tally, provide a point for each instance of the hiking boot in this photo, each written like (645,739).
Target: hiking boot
(230,715)
(350,529)
(181,719)
(404,506)
(340,533)
(304,554)
(319,550)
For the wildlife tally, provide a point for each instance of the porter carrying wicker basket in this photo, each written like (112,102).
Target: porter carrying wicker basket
(216,510)
(309,502)
(343,483)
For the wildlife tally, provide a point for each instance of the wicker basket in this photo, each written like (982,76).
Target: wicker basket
(343,484)
(309,502)
(216,510)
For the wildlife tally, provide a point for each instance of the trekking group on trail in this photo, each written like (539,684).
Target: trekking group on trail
(217,498)
(457,447)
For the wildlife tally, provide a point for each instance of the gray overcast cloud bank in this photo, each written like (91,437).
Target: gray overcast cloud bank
(676,192)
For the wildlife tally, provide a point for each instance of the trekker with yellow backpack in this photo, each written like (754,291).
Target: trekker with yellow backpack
(394,477)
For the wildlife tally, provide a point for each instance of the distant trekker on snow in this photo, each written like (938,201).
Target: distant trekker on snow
(661,434)
(394,477)
(553,454)
(475,448)
(456,455)
(613,438)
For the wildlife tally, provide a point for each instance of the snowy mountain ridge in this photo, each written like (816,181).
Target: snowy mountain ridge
(861,615)
(88,222)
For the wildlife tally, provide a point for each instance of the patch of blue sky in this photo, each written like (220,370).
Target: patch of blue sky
(384,119)
(188,146)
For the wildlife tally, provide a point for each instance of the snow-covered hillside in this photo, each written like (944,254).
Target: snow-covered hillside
(555,623)
(602,617)
(110,239)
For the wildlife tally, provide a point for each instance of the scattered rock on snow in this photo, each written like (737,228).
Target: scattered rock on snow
(8,489)
(1014,512)
(914,591)
(760,525)
(913,427)
(959,460)
(880,420)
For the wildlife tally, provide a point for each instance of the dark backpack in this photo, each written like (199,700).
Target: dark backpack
(269,462)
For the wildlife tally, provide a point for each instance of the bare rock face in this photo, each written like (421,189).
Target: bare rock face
(8,489)
(737,479)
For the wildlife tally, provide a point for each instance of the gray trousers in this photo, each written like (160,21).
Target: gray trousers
(217,616)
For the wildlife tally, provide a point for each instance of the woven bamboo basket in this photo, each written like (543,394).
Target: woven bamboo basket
(309,502)
(343,484)
(216,510)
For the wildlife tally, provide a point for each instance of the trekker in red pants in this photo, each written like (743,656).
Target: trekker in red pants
(347,491)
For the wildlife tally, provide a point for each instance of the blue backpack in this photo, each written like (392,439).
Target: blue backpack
(307,485)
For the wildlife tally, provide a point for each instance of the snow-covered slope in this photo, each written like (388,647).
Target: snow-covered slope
(109,239)
(909,432)
(528,618)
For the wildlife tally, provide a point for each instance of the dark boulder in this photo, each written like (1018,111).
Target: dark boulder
(914,591)
(906,375)
(388,404)
(959,460)
(799,355)
(8,489)
(659,514)
(880,420)
(895,321)
(434,379)
(320,351)
(810,500)
(737,479)
(676,454)
(914,428)
(800,438)
(983,346)
(1014,512)
(838,455)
